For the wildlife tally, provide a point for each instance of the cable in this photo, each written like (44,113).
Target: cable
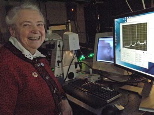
(62,47)
(143,4)
(127,100)
(69,67)
(129,6)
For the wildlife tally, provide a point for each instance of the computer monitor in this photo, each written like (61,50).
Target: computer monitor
(103,53)
(134,42)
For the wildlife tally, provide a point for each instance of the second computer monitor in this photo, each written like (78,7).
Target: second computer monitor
(103,53)
(105,49)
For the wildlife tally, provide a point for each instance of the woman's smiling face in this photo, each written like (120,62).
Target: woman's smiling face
(29,29)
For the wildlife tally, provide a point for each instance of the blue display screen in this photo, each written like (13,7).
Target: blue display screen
(105,49)
(134,42)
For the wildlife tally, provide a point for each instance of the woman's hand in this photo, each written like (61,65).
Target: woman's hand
(66,108)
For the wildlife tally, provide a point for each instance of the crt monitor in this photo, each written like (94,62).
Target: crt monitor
(134,42)
(103,52)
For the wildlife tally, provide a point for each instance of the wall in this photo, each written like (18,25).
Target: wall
(57,14)
(81,23)
(3,28)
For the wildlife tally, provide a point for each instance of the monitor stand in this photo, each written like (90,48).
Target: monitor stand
(143,89)
(136,84)
(131,88)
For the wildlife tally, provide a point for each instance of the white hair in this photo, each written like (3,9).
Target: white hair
(12,14)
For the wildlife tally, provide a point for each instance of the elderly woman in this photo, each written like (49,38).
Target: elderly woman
(27,85)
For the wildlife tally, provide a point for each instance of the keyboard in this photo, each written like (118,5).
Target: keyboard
(92,94)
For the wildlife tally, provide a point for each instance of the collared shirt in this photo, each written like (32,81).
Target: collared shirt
(24,51)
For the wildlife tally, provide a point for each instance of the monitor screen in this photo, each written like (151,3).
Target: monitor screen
(105,49)
(103,53)
(134,42)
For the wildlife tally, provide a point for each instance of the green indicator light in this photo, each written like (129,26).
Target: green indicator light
(82,57)
(91,55)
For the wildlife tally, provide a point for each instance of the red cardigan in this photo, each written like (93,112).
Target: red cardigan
(23,91)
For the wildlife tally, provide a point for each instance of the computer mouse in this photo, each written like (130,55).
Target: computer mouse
(112,110)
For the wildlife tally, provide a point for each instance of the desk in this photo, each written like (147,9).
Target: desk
(129,100)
